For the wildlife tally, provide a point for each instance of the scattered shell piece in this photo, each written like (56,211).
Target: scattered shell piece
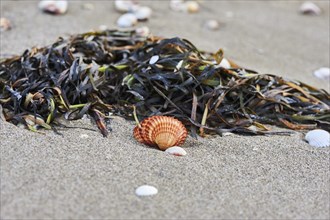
(142,31)
(5,24)
(153,59)
(179,65)
(53,7)
(225,63)
(177,151)
(177,5)
(161,131)
(127,20)
(318,138)
(84,136)
(212,25)
(309,8)
(126,5)
(146,190)
(192,6)
(224,134)
(88,6)
(143,13)
(323,73)
(103,27)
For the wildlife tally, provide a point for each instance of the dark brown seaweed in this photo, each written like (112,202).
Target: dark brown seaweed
(98,73)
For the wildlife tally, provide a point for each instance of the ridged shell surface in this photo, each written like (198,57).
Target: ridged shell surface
(161,131)
(318,138)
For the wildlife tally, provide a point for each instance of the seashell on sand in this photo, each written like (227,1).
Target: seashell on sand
(192,6)
(5,24)
(177,5)
(142,31)
(322,73)
(212,25)
(143,13)
(127,20)
(318,138)
(309,8)
(53,7)
(177,151)
(161,131)
(126,5)
(146,190)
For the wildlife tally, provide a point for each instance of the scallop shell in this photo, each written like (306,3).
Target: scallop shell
(161,131)
(310,8)
(318,138)
(143,13)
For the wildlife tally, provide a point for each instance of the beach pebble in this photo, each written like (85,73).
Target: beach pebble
(322,73)
(318,138)
(309,8)
(143,13)
(212,25)
(53,7)
(5,24)
(146,190)
(126,5)
(153,59)
(142,31)
(177,151)
(127,20)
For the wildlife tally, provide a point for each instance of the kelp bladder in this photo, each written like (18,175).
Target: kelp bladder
(113,71)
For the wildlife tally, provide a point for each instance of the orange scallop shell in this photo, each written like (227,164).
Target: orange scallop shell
(161,131)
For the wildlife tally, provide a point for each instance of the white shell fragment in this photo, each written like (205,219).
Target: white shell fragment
(212,25)
(5,24)
(143,13)
(225,63)
(53,7)
(323,73)
(127,20)
(146,190)
(310,8)
(84,136)
(142,31)
(176,151)
(318,138)
(184,6)
(153,59)
(125,5)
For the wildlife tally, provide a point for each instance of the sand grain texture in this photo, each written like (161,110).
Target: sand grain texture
(48,176)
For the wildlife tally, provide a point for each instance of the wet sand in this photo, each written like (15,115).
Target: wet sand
(50,176)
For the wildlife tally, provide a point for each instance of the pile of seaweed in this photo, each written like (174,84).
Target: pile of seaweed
(121,72)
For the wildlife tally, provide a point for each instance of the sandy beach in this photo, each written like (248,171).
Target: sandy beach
(81,175)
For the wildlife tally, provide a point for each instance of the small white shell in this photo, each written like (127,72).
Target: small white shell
(225,63)
(154,59)
(192,6)
(177,5)
(5,24)
(212,25)
(143,13)
(53,7)
(84,136)
(125,5)
(323,73)
(127,20)
(318,138)
(176,151)
(310,8)
(146,190)
(142,31)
